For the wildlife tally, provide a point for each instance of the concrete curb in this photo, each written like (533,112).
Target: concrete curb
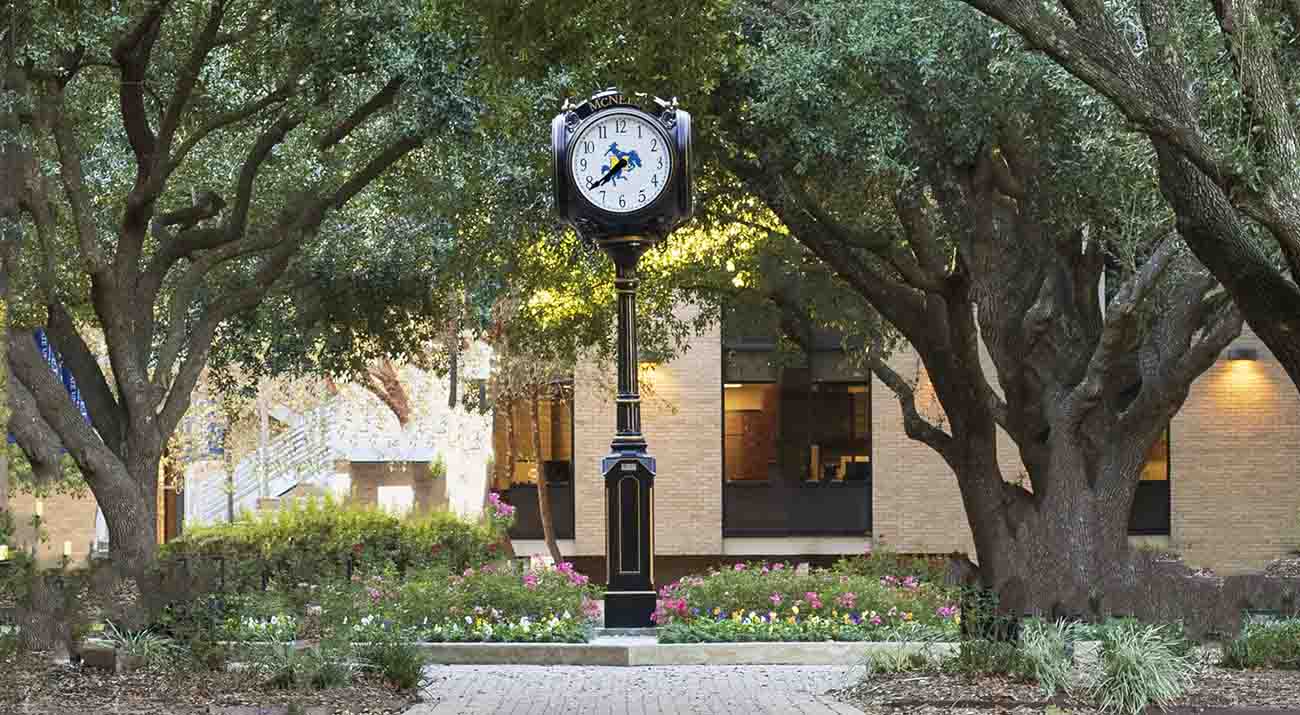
(626,652)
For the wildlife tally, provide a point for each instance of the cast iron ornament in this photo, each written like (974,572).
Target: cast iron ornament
(622,166)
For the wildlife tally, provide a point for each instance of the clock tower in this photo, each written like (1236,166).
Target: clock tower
(623,181)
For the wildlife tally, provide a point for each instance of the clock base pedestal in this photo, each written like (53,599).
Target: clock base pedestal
(629,609)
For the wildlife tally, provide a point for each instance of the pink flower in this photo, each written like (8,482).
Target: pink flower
(530,580)
(775,599)
(875,620)
(911,582)
(590,608)
(947,611)
(488,568)
(778,566)
(814,600)
(740,567)
(846,600)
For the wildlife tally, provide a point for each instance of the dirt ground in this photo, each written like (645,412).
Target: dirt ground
(36,685)
(1217,691)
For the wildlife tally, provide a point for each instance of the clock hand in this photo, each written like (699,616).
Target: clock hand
(617,167)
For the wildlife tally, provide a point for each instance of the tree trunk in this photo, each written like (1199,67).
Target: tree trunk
(512,452)
(543,493)
(386,384)
(453,378)
(1060,553)
(129,501)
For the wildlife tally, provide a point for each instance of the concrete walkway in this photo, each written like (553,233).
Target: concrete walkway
(684,690)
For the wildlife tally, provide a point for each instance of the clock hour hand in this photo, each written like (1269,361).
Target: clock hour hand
(617,167)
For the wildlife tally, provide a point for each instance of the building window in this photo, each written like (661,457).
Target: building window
(796,430)
(1152,507)
(556,425)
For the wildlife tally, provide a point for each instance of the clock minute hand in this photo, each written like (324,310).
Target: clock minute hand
(616,168)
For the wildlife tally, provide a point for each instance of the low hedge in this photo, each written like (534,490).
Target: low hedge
(1265,645)
(318,538)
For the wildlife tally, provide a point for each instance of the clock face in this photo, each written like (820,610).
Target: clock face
(621,162)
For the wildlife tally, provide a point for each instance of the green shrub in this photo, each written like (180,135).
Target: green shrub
(328,668)
(282,666)
(984,657)
(153,649)
(10,643)
(880,562)
(395,656)
(1045,655)
(771,601)
(314,539)
(1140,666)
(898,660)
(1264,645)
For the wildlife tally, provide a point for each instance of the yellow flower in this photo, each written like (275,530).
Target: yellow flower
(795,609)
(790,620)
(717,610)
(907,616)
(957,619)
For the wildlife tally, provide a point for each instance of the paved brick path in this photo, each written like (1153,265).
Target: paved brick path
(684,690)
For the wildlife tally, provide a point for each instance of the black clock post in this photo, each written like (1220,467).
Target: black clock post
(625,230)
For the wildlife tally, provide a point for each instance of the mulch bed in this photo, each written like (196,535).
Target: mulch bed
(1218,691)
(36,685)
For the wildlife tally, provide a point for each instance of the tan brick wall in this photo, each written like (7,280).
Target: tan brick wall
(681,417)
(915,504)
(1235,465)
(1235,456)
(64,518)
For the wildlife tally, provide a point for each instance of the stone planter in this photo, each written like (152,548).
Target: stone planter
(105,656)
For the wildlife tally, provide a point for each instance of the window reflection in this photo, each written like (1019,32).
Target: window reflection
(796,429)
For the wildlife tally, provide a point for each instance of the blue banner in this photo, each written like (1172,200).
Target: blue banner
(55,361)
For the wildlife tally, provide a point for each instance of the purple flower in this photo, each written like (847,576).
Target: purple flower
(775,599)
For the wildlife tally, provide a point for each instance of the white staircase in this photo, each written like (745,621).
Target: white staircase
(301,454)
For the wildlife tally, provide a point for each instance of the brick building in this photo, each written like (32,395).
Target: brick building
(811,461)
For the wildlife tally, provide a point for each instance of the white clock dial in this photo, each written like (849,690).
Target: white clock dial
(621,162)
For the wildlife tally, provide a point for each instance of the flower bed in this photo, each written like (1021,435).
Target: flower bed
(778,602)
(493,603)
